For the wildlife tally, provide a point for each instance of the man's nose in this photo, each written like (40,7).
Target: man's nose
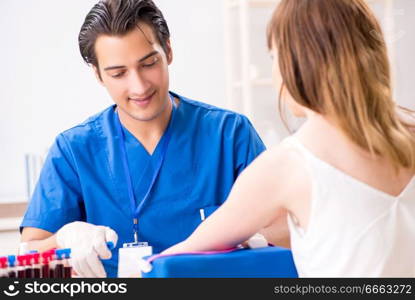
(138,85)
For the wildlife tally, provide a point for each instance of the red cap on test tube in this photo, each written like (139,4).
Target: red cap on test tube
(45,257)
(21,259)
(3,262)
(36,257)
(28,259)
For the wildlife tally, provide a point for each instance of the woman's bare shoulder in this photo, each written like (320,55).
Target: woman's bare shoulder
(281,163)
(285,156)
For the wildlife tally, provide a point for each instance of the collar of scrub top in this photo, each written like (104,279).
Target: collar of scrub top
(167,135)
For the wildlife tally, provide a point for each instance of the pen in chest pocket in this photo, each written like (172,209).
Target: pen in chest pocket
(202,214)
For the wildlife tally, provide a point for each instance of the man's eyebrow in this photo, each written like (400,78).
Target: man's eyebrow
(113,67)
(148,55)
(140,60)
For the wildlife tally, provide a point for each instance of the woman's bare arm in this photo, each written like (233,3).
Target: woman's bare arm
(254,203)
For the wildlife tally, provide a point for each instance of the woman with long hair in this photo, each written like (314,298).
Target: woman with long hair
(344,181)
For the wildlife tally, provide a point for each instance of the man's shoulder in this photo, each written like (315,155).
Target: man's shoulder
(205,107)
(89,128)
(211,113)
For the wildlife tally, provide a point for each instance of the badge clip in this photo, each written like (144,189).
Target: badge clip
(135,245)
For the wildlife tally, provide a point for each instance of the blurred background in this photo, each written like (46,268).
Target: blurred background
(220,57)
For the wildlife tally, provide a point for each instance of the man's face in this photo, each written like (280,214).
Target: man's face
(134,70)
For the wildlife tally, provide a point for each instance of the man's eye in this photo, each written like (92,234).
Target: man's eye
(152,63)
(117,75)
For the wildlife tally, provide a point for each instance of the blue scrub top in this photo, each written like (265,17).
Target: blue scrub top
(83,177)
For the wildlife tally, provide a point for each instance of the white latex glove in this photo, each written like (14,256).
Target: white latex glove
(256,241)
(88,245)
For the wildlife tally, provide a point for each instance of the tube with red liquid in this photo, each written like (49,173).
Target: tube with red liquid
(3,267)
(45,269)
(67,269)
(28,266)
(52,263)
(36,265)
(12,266)
(58,264)
(21,266)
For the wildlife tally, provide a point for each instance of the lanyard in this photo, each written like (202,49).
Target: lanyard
(137,209)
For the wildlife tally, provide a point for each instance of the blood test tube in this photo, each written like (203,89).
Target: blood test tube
(52,263)
(67,269)
(3,267)
(36,265)
(28,266)
(12,266)
(58,264)
(21,266)
(45,264)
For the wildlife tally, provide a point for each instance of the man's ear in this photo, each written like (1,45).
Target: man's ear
(169,53)
(97,75)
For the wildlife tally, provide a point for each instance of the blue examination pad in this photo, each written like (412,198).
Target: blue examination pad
(268,262)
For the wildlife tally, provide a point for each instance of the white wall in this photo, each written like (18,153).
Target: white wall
(9,242)
(403,42)
(196,28)
(397,20)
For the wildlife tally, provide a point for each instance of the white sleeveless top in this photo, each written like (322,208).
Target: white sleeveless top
(354,229)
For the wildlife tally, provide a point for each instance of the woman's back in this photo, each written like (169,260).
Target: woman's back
(354,216)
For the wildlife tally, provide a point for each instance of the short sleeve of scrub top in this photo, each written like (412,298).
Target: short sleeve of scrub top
(248,144)
(59,188)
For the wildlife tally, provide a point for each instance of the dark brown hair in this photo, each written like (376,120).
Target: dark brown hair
(117,18)
(333,60)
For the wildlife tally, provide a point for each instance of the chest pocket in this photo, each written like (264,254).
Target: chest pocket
(171,220)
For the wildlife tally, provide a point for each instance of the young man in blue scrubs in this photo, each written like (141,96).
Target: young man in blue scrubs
(148,168)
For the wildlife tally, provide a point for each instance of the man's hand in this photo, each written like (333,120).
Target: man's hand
(88,245)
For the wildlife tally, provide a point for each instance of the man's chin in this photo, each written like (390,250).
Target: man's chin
(144,117)
(147,117)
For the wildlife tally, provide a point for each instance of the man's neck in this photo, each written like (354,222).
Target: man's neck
(150,132)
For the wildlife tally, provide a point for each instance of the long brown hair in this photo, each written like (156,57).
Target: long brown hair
(333,60)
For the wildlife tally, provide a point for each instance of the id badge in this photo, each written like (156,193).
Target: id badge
(129,257)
